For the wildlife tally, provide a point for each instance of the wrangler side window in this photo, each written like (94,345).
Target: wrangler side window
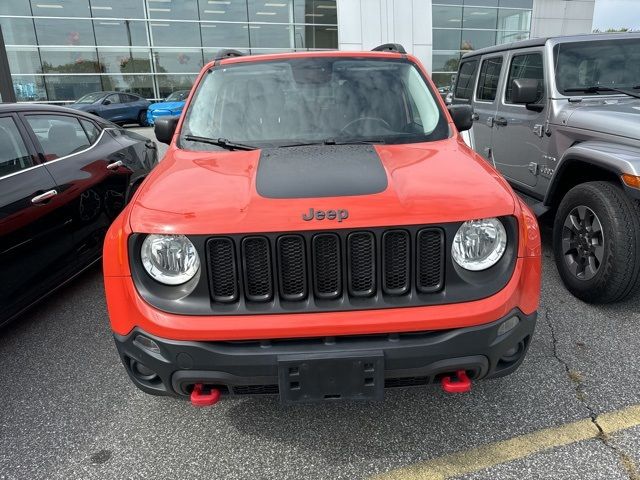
(488,79)
(528,66)
(464,84)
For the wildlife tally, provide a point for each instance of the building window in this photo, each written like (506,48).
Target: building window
(178,9)
(66,8)
(484,18)
(60,50)
(113,33)
(461,26)
(55,31)
(18,31)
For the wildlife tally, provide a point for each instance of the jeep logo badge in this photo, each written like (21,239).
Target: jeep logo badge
(328,214)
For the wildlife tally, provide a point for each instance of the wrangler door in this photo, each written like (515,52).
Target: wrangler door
(485,103)
(519,140)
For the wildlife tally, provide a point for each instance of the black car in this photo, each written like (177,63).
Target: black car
(64,176)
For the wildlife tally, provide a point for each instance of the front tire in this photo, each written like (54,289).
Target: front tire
(142,119)
(596,242)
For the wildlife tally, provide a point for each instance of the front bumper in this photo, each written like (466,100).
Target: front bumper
(251,367)
(152,115)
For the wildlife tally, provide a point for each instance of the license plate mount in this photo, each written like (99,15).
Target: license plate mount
(307,378)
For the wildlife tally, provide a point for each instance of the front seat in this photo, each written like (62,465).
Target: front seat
(10,160)
(62,140)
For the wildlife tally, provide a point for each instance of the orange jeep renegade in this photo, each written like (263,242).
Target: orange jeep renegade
(319,230)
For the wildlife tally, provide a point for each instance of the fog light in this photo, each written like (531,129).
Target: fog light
(508,325)
(142,372)
(147,344)
(511,352)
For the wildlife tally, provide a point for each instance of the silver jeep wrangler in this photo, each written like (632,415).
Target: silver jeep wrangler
(560,119)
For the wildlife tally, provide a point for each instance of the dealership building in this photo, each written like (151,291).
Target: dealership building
(58,50)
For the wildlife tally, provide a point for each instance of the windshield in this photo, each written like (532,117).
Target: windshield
(602,63)
(177,96)
(91,97)
(276,103)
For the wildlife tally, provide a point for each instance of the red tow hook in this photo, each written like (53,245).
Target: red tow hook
(461,385)
(201,399)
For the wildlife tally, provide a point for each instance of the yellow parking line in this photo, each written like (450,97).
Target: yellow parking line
(515,448)
(617,420)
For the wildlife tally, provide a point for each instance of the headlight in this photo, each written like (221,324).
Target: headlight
(479,244)
(170,259)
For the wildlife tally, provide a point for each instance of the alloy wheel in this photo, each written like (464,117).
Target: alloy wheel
(583,242)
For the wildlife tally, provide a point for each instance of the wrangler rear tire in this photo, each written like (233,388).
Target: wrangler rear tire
(596,242)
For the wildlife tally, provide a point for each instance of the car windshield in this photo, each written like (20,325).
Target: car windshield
(595,66)
(317,100)
(91,97)
(177,96)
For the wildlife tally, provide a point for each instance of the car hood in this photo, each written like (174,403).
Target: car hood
(166,106)
(272,190)
(611,116)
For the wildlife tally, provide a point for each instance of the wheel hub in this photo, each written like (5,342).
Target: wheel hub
(583,242)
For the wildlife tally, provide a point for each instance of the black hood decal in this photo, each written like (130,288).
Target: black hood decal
(320,171)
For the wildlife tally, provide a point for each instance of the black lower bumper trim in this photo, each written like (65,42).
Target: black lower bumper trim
(252,367)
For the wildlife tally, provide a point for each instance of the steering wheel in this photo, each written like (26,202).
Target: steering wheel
(365,119)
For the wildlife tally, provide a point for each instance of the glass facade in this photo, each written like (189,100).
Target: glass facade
(460,26)
(60,50)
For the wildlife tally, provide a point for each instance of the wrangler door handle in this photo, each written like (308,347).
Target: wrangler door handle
(115,165)
(500,121)
(43,197)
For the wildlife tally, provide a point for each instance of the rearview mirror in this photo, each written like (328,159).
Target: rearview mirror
(462,116)
(165,128)
(107,102)
(525,90)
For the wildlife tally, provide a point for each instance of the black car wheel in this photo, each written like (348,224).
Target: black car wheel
(583,242)
(596,242)
(142,119)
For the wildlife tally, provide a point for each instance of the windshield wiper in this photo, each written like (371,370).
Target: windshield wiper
(220,142)
(602,88)
(334,141)
(354,141)
(301,144)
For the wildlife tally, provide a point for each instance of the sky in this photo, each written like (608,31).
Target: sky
(616,13)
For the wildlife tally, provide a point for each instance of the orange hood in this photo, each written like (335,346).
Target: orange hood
(217,192)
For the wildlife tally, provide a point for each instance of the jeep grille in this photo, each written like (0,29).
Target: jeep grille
(326,268)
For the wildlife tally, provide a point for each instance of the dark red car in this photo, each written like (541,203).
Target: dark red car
(64,176)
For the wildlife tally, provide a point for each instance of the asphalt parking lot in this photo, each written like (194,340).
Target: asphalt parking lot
(68,409)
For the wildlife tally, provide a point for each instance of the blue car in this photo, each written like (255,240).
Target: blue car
(171,106)
(117,107)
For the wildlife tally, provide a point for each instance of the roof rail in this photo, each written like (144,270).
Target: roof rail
(390,47)
(227,53)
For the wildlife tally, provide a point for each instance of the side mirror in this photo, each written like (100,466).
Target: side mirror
(462,116)
(525,90)
(165,128)
(106,102)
